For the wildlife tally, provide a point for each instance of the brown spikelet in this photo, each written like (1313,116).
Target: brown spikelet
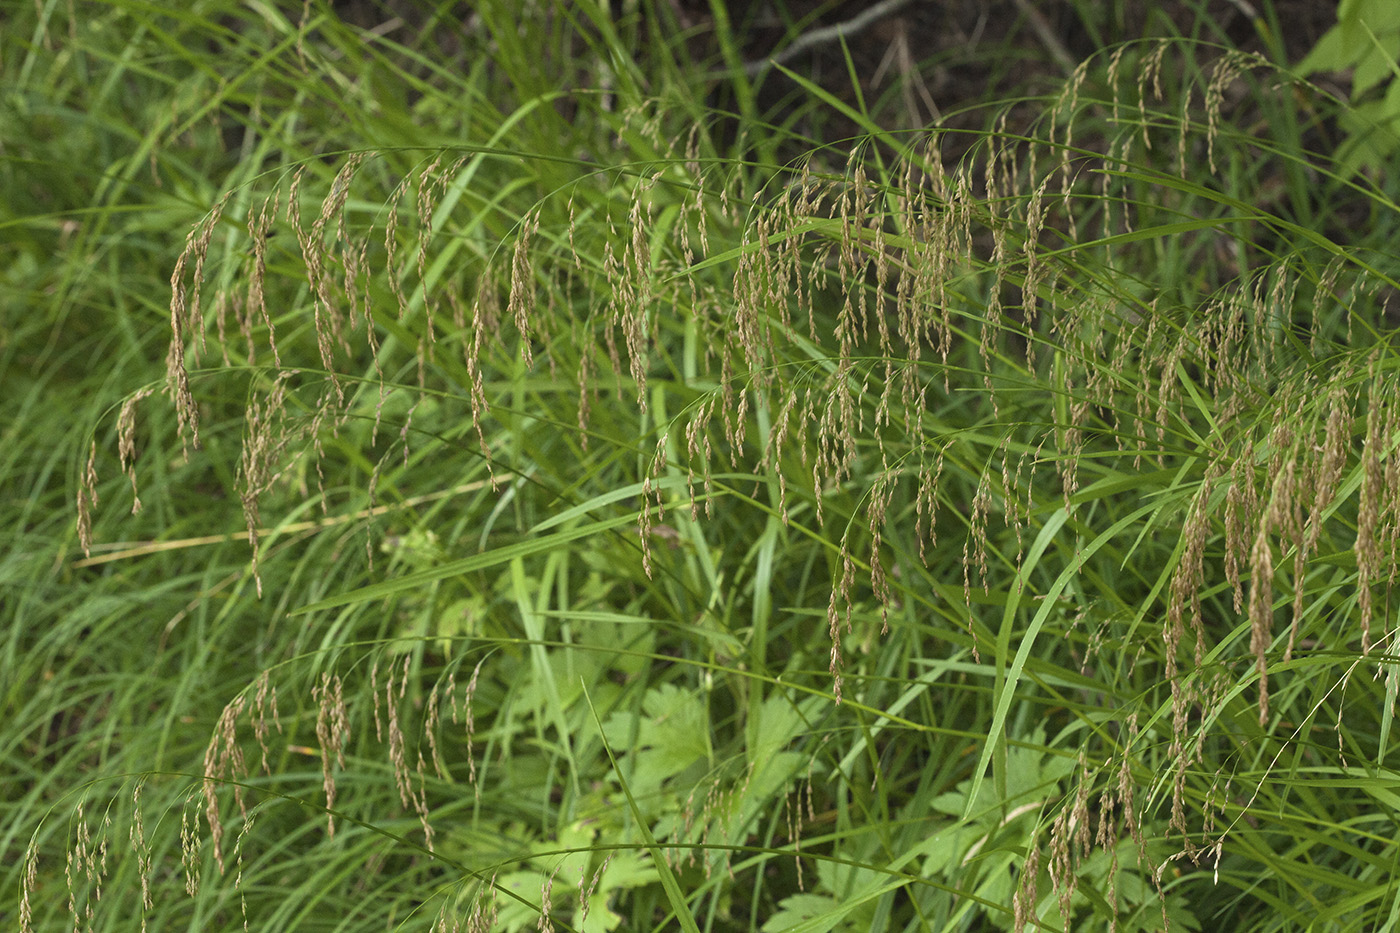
(223,761)
(87,500)
(1184,693)
(854,211)
(998,182)
(1390,498)
(1186,582)
(429,181)
(777,438)
(243,833)
(749,293)
(1169,387)
(265,711)
(1115,65)
(621,295)
(142,850)
(1281,298)
(644,516)
(328,317)
(29,881)
(1071,441)
(79,902)
(1064,879)
(926,504)
(520,307)
(1119,153)
(636,313)
(485,912)
(354,262)
(332,730)
(837,426)
(1183,132)
(396,738)
(1240,505)
(261,463)
(879,502)
(975,545)
(185,320)
(398,752)
(126,441)
(881,248)
(838,614)
(1323,297)
(697,446)
(1150,73)
(485,317)
(1225,71)
(1023,901)
(431,724)
(1063,112)
(393,272)
(1323,473)
(585,893)
(545,924)
(259,230)
(1133,823)
(225,303)
(1035,276)
(1107,839)
(1366,548)
(585,396)
(469,722)
(910,314)
(1261,573)
(189,844)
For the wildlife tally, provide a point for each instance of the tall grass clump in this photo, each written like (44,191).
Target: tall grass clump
(563,503)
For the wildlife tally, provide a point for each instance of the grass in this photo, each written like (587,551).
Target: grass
(566,504)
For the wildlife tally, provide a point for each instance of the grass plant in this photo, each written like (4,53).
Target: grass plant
(462,476)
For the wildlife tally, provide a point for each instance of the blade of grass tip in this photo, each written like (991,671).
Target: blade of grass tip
(663,868)
(1007,690)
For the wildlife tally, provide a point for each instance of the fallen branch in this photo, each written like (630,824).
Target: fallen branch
(816,37)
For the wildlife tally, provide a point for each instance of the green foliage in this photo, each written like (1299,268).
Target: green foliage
(470,480)
(1365,41)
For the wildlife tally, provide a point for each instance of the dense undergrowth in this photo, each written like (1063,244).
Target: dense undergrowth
(562,504)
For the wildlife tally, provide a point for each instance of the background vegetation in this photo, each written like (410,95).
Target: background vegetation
(674,466)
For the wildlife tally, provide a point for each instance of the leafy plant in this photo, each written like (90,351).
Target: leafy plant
(1366,42)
